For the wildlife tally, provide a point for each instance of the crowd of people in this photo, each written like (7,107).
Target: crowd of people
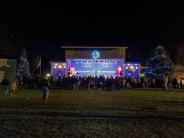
(114,84)
(91,83)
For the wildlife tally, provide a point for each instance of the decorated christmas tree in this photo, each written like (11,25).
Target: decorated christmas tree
(23,69)
(159,64)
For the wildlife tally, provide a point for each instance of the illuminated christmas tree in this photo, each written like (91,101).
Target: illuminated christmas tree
(159,64)
(23,69)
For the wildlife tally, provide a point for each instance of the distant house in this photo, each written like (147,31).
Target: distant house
(8,69)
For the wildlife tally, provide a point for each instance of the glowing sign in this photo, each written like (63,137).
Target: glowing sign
(96,67)
(95,54)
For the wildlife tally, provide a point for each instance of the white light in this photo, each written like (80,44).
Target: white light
(131,67)
(136,67)
(55,64)
(95,54)
(128,64)
(135,64)
(119,69)
(55,67)
(126,67)
(59,66)
(48,75)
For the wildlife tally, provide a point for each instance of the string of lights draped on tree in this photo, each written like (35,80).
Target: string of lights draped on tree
(23,69)
(159,64)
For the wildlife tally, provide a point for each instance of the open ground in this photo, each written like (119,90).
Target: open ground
(133,113)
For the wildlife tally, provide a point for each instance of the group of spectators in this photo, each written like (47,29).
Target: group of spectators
(113,84)
(9,86)
(100,83)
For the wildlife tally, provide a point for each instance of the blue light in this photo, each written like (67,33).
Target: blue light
(59,74)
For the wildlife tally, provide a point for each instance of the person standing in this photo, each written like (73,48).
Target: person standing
(45,90)
(124,84)
(6,86)
(165,83)
(13,87)
(181,83)
(175,83)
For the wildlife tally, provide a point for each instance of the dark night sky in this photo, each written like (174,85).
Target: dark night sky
(49,28)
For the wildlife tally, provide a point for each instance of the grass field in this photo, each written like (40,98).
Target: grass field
(134,113)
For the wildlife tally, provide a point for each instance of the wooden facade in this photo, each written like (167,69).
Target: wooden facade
(77,52)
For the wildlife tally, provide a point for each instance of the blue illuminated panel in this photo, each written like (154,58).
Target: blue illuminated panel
(95,67)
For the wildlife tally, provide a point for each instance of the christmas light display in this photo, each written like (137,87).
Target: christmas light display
(58,70)
(132,70)
(95,67)
(23,69)
(95,55)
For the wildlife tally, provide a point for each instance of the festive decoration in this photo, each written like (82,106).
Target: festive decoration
(95,55)
(72,71)
(132,70)
(159,64)
(119,71)
(58,69)
(95,67)
(23,69)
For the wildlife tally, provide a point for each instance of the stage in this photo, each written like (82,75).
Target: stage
(95,67)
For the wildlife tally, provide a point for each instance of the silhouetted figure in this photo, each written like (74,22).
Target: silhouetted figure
(175,83)
(6,85)
(45,90)
(181,83)
(13,87)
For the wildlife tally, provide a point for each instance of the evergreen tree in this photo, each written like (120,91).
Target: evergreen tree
(23,69)
(159,64)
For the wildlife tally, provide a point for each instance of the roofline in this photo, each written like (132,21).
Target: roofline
(85,47)
(56,61)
